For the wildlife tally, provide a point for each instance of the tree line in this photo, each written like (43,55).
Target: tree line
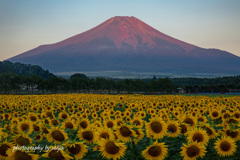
(17,78)
(18,84)
(209,85)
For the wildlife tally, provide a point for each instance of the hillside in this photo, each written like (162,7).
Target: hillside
(24,69)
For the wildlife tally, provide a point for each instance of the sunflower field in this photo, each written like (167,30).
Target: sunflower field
(97,126)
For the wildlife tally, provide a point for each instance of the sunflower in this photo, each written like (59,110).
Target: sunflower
(202,119)
(173,129)
(192,151)
(89,135)
(69,124)
(128,119)
(25,126)
(109,123)
(78,149)
(105,133)
(156,128)
(3,149)
(84,123)
(49,114)
(56,135)
(234,134)
(54,122)
(84,116)
(142,114)
(7,116)
(46,121)
(225,146)
(156,151)
(33,117)
(140,134)
(38,137)
(236,114)
(63,115)
(191,121)
(1,133)
(97,124)
(215,114)
(119,122)
(198,135)
(210,131)
(111,149)
(57,154)
(21,140)
(94,115)
(226,115)
(19,154)
(137,121)
(45,130)
(125,133)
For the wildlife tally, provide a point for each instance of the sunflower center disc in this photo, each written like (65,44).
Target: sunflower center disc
(232,133)
(137,122)
(156,127)
(155,151)
(49,114)
(37,137)
(33,118)
(64,116)
(227,115)
(104,135)
(125,132)
(109,124)
(19,155)
(197,137)
(225,146)
(193,151)
(3,149)
(87,135)
(36,128)
(183,129)
(209,131)
(188,121)
(232,121)
(75,150)
(22,141)
(57,135)
(172,128)
(45,130)
(111,148)
(54,122)
(237,115)
(83,124)
(69,125)
(24,127)
(215,114)
(56,154)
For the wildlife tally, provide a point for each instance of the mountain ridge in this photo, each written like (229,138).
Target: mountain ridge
(127,43)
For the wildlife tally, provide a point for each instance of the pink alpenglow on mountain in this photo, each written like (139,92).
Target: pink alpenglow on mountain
(128,44)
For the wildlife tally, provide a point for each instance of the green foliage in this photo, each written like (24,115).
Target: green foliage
(24,69)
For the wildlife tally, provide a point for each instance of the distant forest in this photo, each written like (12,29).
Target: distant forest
(17,78)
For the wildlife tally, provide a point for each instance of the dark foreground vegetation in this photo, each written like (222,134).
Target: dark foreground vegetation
(16,78)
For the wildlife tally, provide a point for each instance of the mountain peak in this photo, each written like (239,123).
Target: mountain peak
(127,43)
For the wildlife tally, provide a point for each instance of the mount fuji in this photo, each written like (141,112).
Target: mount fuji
(127,44)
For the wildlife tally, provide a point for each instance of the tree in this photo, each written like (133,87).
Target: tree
(78,76)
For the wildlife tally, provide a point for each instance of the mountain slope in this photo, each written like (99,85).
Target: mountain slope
(128,44)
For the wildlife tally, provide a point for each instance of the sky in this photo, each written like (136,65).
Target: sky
(27,24)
